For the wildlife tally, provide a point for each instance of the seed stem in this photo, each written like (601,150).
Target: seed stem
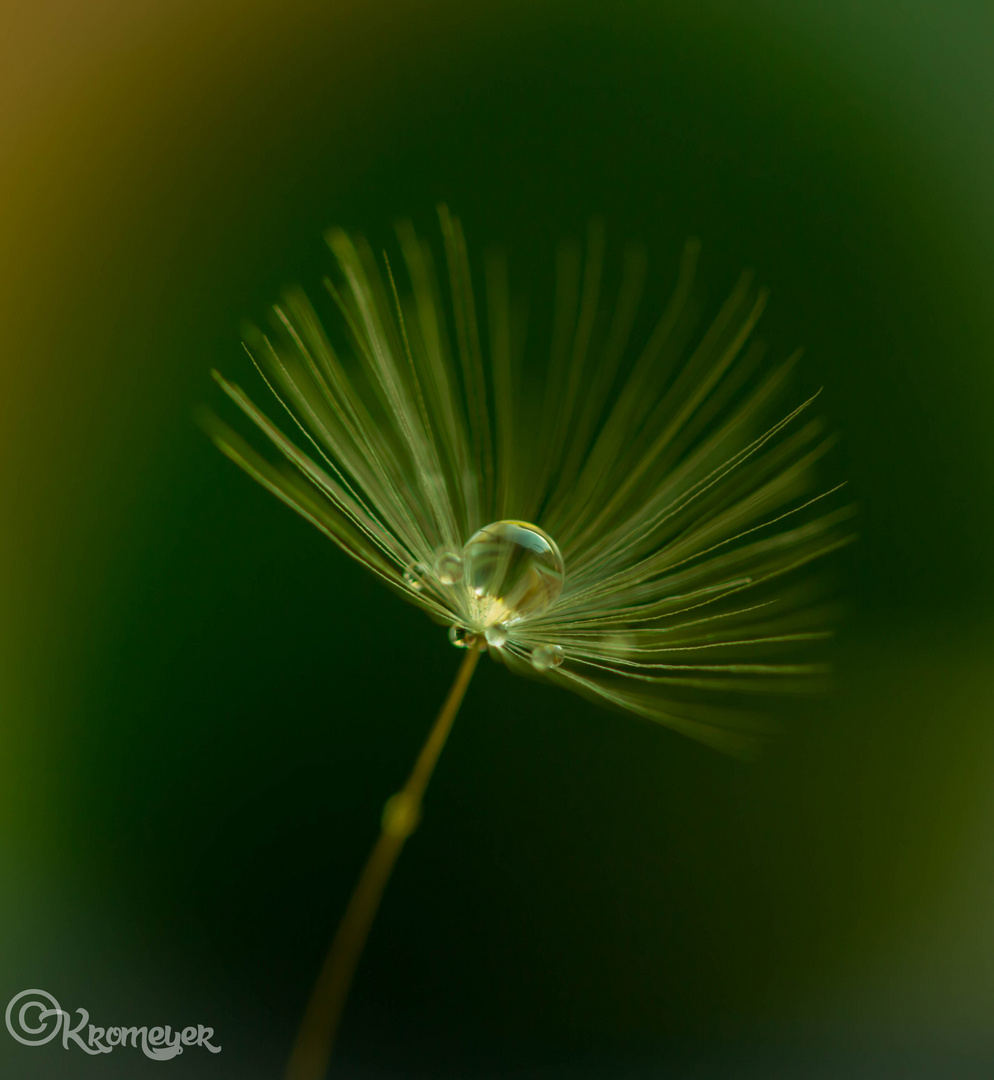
(312,1048)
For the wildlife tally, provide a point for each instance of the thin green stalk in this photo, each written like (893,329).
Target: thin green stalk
(312,1049)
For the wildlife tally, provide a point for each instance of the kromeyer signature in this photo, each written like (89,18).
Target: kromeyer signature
(34,1018)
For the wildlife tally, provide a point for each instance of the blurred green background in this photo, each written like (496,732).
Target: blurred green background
(204,704)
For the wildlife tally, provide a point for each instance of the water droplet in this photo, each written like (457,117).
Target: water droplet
(448,568)
(513,569)
(496,635)
(415,576)
(463,638)
(547,656)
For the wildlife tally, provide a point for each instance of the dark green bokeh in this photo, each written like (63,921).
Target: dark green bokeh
(231,701)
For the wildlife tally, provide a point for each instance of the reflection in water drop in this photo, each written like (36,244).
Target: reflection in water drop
(496,635)
(547,656)
(512,569)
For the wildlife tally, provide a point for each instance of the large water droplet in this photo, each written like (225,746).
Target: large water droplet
(512,569)
(496,635)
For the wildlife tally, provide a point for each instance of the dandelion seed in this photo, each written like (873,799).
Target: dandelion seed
(641,541)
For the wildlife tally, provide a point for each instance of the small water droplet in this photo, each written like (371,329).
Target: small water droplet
(496,635)
(513,569)
(463,638)
(448,568)
(415,576)
(547,656)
